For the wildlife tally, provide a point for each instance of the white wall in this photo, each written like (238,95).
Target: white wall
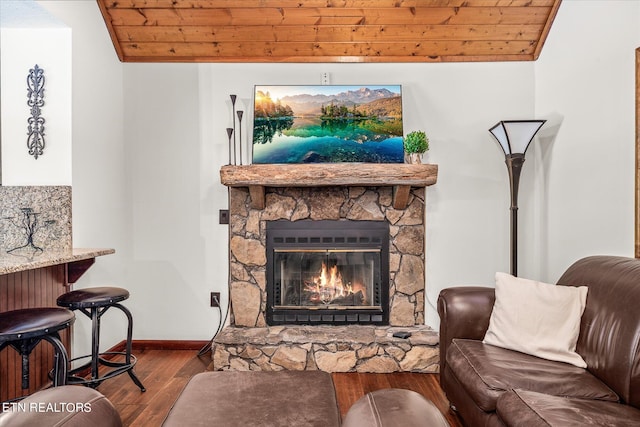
(101,192)
(585,177)
(179,252)
(146,163)
(23,44)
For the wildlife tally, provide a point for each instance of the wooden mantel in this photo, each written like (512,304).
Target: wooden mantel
(400,176)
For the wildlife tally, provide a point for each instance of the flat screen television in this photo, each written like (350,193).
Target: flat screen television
(328,124)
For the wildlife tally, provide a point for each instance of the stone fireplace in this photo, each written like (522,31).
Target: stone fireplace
(266,333)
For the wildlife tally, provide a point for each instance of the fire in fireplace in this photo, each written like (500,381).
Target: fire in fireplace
(333,272)
(314,278)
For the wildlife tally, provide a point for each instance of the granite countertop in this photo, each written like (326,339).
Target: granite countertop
(10,263)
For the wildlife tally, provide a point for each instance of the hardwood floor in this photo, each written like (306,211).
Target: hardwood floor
(164,373)
(352,386)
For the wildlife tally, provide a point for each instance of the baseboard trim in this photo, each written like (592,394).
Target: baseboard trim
(141,345)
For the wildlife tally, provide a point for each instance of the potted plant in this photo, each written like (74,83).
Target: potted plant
(415,144)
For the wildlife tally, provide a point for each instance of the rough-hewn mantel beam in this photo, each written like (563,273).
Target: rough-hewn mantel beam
(401,176)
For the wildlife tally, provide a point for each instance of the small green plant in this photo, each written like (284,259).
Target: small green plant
(416,142)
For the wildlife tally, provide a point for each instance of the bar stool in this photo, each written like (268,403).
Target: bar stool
(94,302)
(23,329)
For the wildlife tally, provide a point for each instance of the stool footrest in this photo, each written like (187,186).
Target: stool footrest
(94,381)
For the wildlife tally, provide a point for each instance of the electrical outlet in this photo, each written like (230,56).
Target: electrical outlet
(325,77)
(215,299)
(223,216)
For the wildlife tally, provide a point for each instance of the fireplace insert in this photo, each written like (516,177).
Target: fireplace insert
(327,272)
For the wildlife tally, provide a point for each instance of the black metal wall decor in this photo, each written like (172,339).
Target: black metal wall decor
(35,101)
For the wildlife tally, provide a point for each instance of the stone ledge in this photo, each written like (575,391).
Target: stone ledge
(354,348)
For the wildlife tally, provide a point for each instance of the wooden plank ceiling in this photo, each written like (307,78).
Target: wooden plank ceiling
(328,30)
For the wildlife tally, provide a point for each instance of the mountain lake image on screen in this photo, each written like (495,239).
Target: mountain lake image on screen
(328,124)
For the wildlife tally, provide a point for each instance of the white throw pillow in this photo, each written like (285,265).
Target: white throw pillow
(537,318)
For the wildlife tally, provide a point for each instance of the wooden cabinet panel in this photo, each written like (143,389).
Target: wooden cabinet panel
(38,287)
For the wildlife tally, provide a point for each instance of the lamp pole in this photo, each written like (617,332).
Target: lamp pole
(514,166)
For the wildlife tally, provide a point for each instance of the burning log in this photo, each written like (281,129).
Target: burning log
(350,300)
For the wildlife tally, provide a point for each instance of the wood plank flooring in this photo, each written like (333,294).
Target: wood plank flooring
(164,373)
(352,386)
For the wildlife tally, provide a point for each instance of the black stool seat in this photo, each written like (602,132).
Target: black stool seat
(24,329)
(94,302)
(33,322)
(92,297)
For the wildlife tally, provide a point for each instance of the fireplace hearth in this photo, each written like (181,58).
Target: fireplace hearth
(327,272)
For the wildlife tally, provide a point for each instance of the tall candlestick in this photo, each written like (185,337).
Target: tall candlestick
(240,137)
(233,114)
(229,133)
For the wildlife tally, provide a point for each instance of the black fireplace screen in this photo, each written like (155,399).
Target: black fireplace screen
(327,272)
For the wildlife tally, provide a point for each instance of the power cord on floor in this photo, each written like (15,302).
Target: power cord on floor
(207,347)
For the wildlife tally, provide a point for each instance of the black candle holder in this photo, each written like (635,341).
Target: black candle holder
(229,134)
(240,113)
(233,115)
(30,225)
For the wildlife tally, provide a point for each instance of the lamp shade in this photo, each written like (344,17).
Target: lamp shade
(514,136)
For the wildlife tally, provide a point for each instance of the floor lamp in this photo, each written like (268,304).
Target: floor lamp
(514,137)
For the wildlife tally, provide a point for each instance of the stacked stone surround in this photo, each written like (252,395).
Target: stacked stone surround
(248,343)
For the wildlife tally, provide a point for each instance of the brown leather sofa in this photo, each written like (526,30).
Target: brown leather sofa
(492,386)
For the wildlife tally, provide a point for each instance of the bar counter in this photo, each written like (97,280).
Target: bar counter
(15,263)
(29,280)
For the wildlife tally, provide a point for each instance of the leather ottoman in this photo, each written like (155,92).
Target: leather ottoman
(265,399)
(391,407)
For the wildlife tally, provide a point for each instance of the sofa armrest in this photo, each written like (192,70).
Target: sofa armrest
(464,313)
